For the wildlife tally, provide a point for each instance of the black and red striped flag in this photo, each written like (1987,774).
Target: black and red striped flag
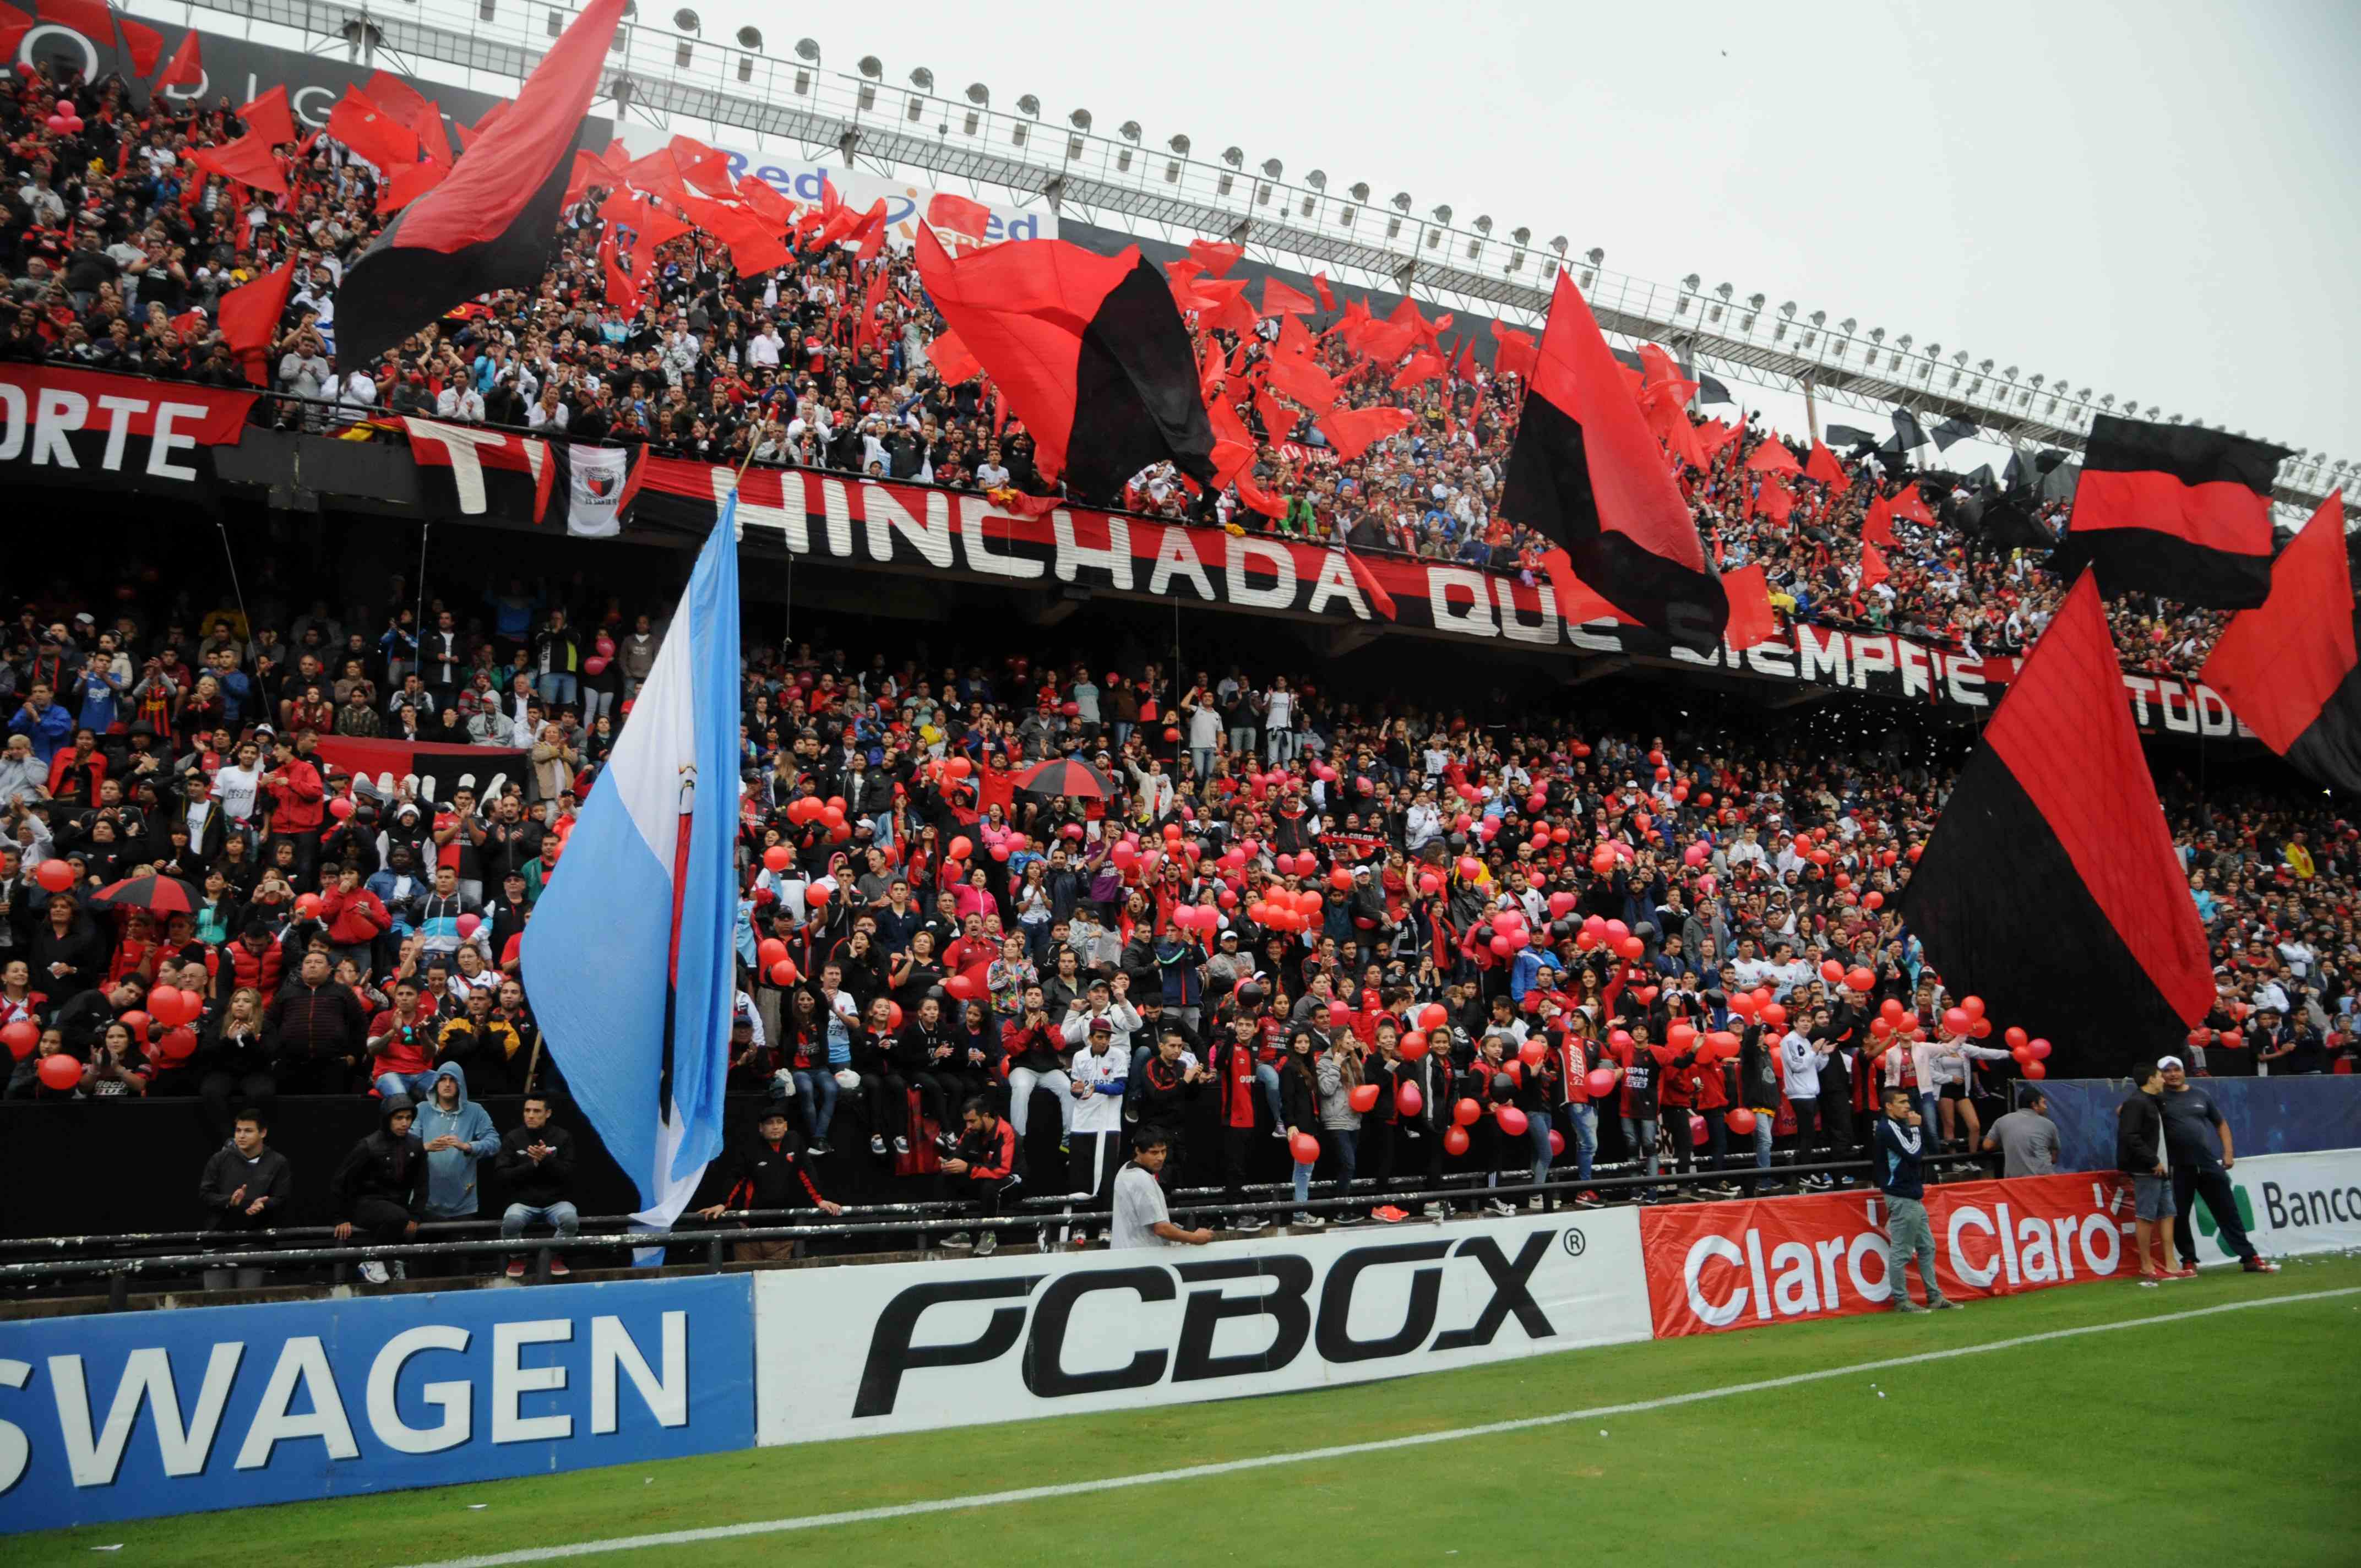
(1587,472)
(1089,350)
(2289,669)
(2050,887)
(490,226)
(2174,510)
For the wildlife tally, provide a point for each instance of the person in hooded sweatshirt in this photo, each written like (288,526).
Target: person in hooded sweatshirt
(456,1133)
(244,1189)
(381,1188)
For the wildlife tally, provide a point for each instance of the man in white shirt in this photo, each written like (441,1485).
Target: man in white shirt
(1140,1218)
(1799,1072)
(1098,1074)
(763,350)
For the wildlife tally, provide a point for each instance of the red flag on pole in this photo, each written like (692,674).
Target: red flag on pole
(249,319)
(1824,466)
(186,68)
(1320,287)
(1277,298)
(1874,569)
(269,119)
(957,215)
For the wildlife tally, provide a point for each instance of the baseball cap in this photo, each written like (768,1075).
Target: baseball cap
(1101,1027)
(2167,1063)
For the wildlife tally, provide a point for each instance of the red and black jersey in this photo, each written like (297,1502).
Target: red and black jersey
(990,1150)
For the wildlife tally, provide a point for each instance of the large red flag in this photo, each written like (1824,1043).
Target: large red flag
(1320,286)
(249,319)
(1824,466)
(2288,669)
(247,160)
(1514,352)
(1279,300)
(490,226)
(373,131)
(1773,457)
(950,358)
(957,215)
(1351,432)
(2056,810)
(1089,350)
(2173,510)
(1877,528)
(269,119)
(1303,381)
(185,69)
(1873,566)
(1585,470)
(1216,260)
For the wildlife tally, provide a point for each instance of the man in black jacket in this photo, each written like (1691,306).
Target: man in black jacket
(769,1174)
(2140,1154)
(315,1032)
(536,1165)
(981,1173)
(245,1185)
(382,1185)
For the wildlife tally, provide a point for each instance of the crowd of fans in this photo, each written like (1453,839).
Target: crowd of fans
(117,251)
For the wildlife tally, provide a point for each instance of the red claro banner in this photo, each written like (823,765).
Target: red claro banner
(1719,1267)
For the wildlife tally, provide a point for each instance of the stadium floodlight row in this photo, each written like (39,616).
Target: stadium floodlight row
(674,77)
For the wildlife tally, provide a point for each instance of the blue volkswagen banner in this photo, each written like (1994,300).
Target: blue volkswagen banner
(135,1414)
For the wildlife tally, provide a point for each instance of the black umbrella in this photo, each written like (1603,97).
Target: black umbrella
(1066,775)
(165,895)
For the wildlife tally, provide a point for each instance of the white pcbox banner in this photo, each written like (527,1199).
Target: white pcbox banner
(851,1352)
(2289,1203)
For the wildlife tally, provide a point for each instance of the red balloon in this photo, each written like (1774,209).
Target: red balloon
(55,875)
(2041,1049)
(1413,1046)
(783,972)
(816,895)
(1601,1082)
(1973,1006)
(340,808)
(1305,1148)
(164,1005)
(1956,1020)
(1893,1009)
(1363,1097)
(1558,1143)
(2015,1036)
(778,858)
(20,1037)
(2022,1054)
(137,1022)
(1432,1017)
(1833,972)
(1512,1120)
(1409,1100)
(60,1071)
(1454,1139)
(1874,899)
(893,1015)
(1532,1053)
(1743,1003)
(179,1044)
(1631,948)
(468,925)
(1774,1015)
(1465,1112)
(1740,1120)
(1862,980)
(2034,1070)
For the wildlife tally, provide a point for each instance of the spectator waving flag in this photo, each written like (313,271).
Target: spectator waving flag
(1586,471)
(2174,510)
(2289,669)
(1089,350)
(628,956)
(2050,887)
(490,226)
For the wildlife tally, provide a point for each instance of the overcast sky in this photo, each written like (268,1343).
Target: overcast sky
(2153,199)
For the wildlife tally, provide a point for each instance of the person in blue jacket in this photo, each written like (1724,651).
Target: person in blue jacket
(457,1134)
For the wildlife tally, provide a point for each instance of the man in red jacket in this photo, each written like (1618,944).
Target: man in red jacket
(356,918)
(297,801)
(983,1173)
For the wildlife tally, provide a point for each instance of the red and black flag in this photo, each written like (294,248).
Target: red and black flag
(2174,510)
(1088,349)
(2050,887)
(488,225)
(1587,472)
(2288,669)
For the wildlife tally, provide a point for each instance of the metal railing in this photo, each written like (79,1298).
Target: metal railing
(1063,1213)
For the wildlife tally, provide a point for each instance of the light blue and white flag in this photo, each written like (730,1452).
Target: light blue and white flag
(627,958)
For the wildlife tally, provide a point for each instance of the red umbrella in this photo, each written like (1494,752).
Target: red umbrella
(1066,776)
(165,895)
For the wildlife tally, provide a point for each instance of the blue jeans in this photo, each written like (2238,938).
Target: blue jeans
(1537,1127)
(1642,1137)
(417,1086)
(1303,1183)
(557,690)
(561,1216)
(1344,1143)
(1268,1075)
(1584,1120)
(1201,759)
(815,1088)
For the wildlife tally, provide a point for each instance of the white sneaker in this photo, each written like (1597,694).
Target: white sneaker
(1307,1220)
(374,1272)
(1435,1211)
(876,1143)
(1499,1206)
(1250,1223)
(957,1241)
